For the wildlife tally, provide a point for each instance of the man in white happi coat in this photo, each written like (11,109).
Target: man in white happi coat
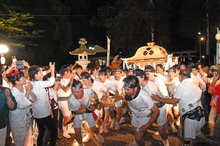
(109,104)
(144,111)
(80,103)
(189,97)
(117,79)
(63,93)
(152,88)
(101,92)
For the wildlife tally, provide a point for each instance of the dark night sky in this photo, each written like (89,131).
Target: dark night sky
(175,17)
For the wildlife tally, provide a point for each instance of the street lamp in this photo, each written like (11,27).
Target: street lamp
(201,39)
(3,49)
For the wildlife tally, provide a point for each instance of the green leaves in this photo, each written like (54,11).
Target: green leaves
(15,25)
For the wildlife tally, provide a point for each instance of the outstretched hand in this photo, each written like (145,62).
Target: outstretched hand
(155,97)
(52,66)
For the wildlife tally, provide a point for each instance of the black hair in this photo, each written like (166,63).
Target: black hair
(78,66)
(32,71)
(46,76)
(195,67)
(172,69)
(63,69)
(90,68)
(185,73)
(133,80)
(176,66)
(15,78)
(160,66)
(76,83)
(87,75)
(140,73)
(108,69)
(149,67)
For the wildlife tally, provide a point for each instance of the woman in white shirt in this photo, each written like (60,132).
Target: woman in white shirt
(20,119)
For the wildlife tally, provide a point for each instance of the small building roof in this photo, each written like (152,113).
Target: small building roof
(99,49)
(82,49)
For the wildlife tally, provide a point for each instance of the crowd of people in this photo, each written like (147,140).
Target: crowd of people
(182,98)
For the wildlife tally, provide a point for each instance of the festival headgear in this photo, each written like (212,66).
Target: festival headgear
(13,73)
(149,68)
(194,68)
(172,70)
(182,65)
(77,87)
(63,70)
(117,70)
(85,77)
(102,73)
(160,66)
(129,85)
(139,73)
(185,72)
(130,70)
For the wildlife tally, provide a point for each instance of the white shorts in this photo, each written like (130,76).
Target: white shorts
(176,107)
(106,107)
(192,128)
(168,106)
(162,118)
(63,106)
(77,122)
(3,135)
(118,103)
(138,122)
(99,113)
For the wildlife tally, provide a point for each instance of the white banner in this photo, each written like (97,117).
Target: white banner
(108,51)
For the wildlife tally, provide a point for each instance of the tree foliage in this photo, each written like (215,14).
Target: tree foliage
(52,17)
(13,28)
(129,23)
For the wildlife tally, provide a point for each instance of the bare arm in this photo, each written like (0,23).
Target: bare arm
(66,88)
(168,83)
(11,104)
(10,68)
(29,92)
(165,100)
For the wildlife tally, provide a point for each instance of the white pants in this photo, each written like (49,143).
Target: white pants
(3,136)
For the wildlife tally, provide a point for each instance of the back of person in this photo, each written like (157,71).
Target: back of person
(190,96)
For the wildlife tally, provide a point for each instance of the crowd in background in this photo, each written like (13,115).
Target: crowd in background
(63,99)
